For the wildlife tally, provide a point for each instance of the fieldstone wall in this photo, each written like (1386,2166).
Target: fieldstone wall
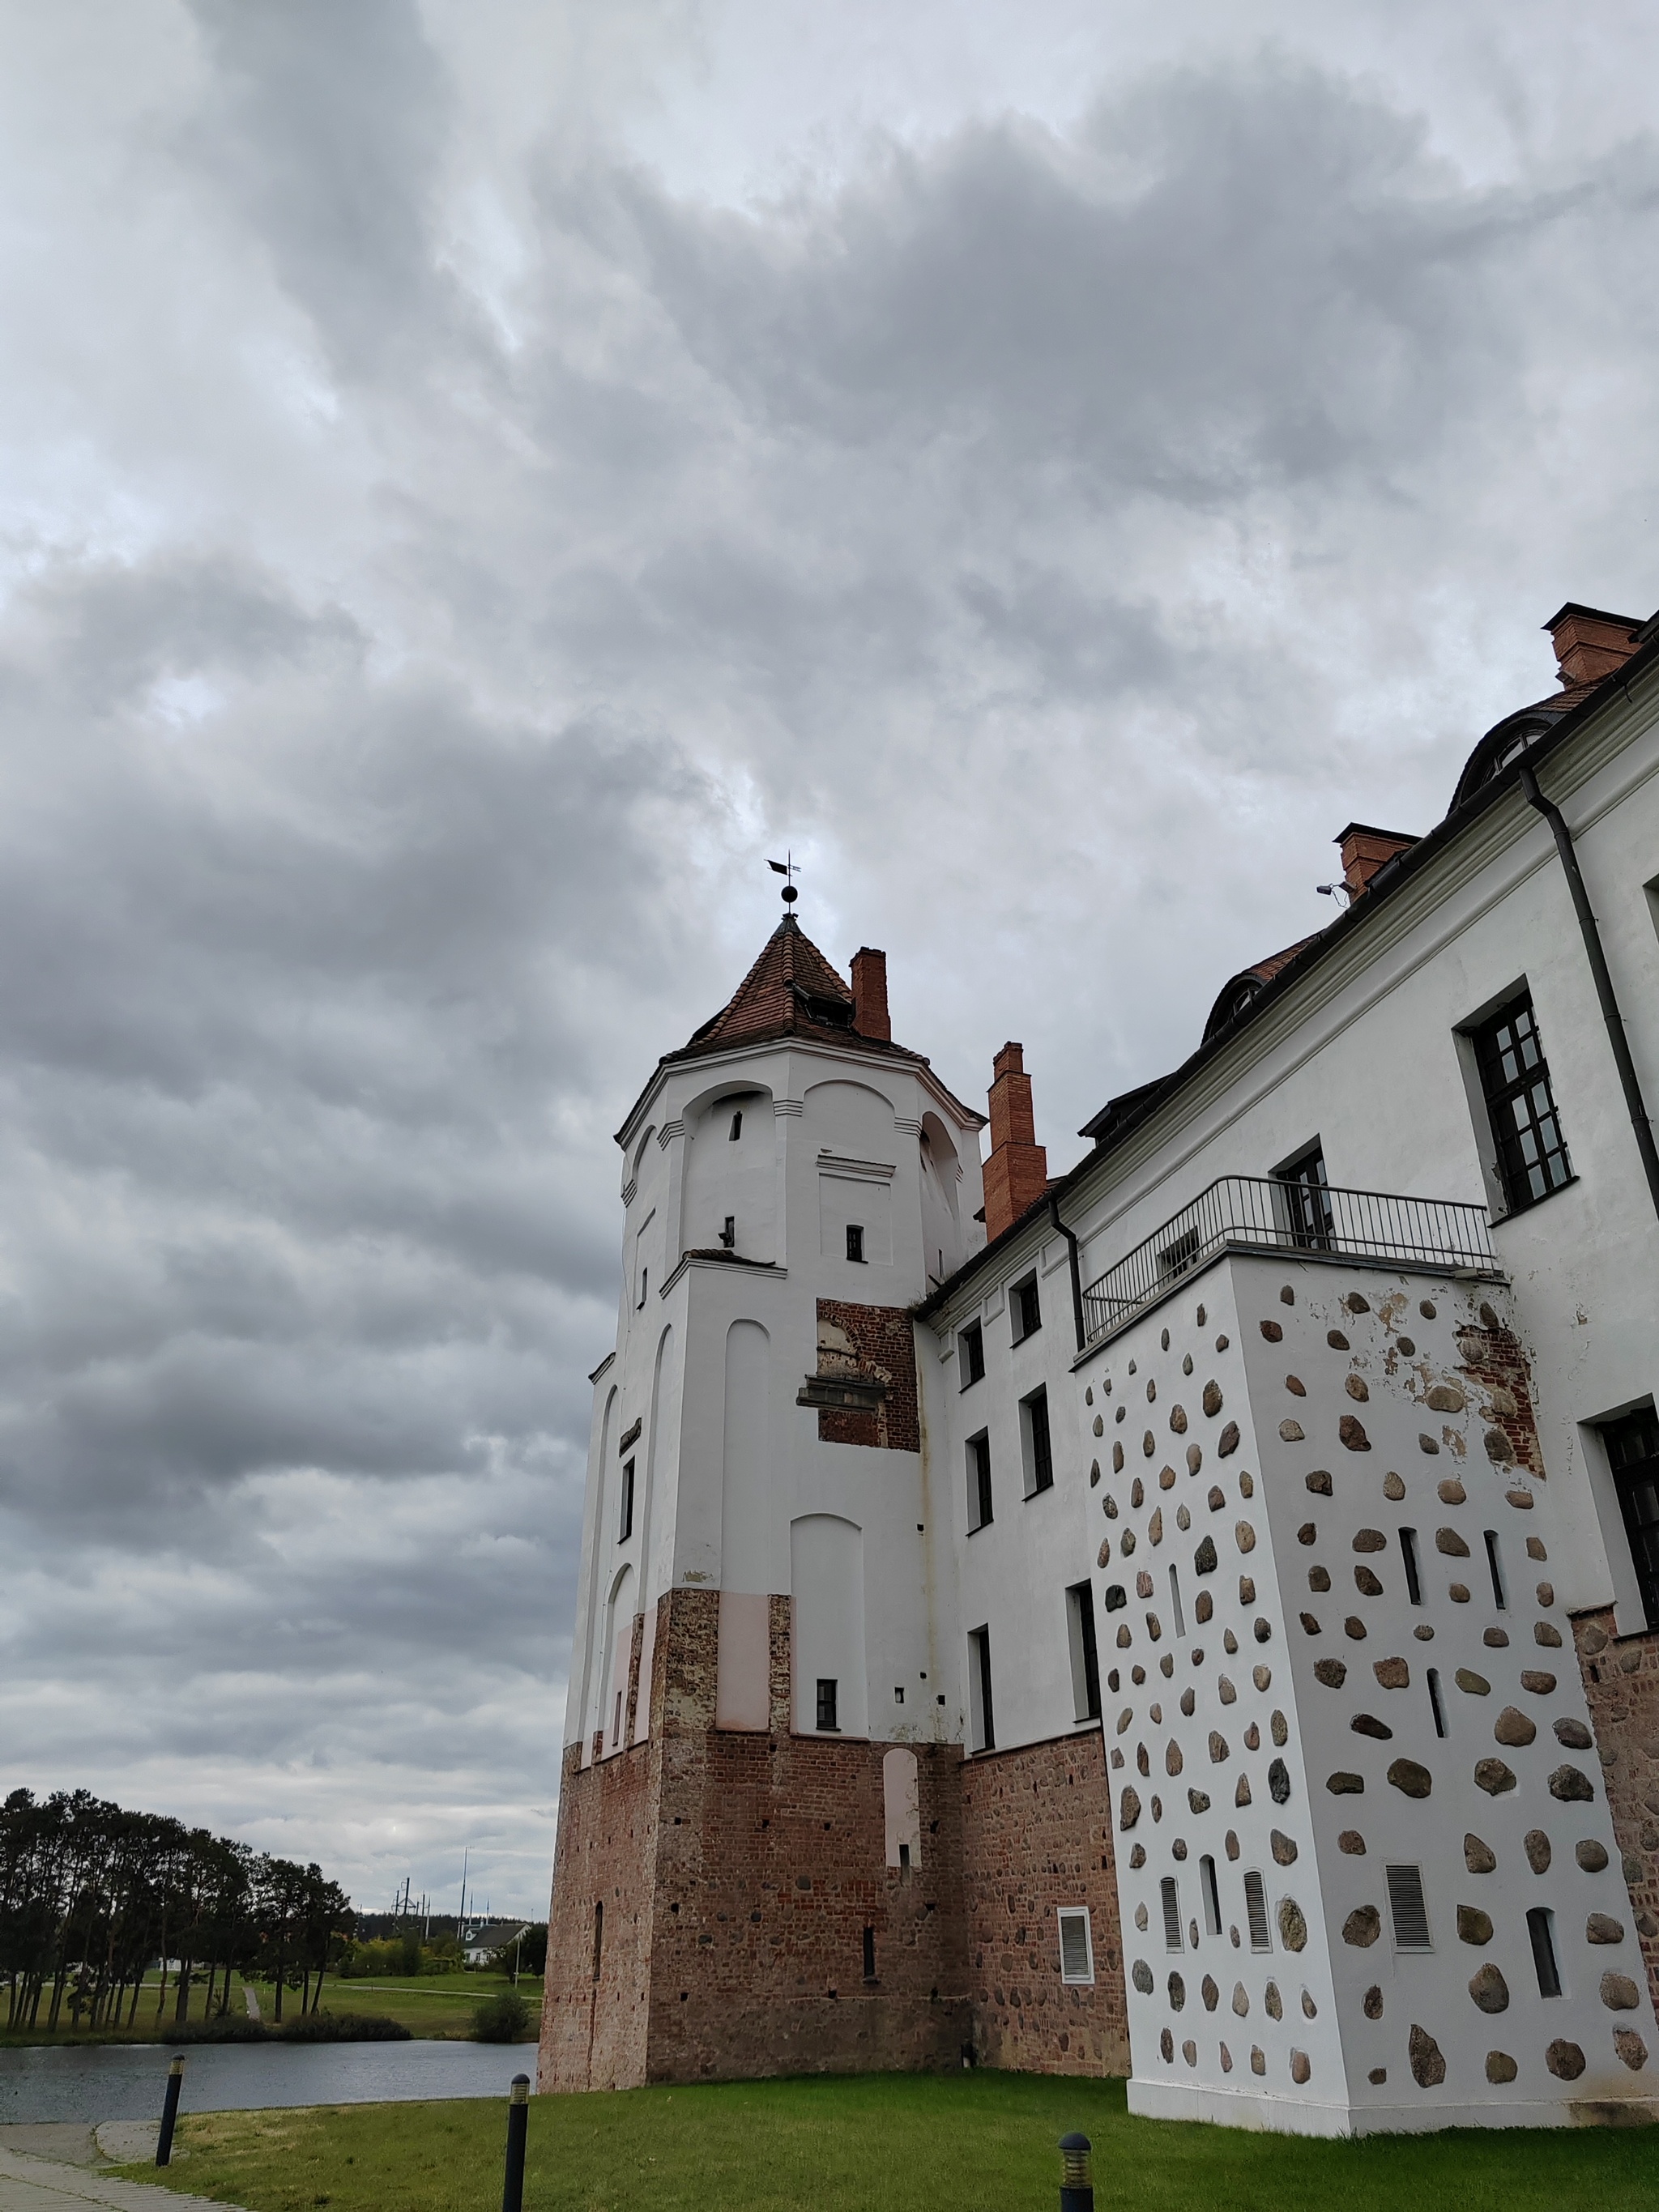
(1621,1686)
(1036,1835)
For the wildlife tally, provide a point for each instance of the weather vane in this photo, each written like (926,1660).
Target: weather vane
(786,868)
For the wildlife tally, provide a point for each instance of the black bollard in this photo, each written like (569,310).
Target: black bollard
(518,2124)
(170,2111)
(1077,2188)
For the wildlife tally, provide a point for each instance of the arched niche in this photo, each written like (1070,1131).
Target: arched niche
(730,1172)
(826,1581)
(849,1131)
(941,1214)
(619,1653)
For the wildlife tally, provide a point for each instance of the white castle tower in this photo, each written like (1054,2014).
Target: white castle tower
(759,1701)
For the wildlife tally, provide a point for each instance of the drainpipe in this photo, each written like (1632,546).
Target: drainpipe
(1598,960)
(1077,1275)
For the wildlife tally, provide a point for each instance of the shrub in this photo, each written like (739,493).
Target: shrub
(505,2019)
(343,2027)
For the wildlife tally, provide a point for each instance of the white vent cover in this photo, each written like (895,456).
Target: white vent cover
(1077,1952)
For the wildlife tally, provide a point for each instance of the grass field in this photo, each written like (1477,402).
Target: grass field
(976,2142)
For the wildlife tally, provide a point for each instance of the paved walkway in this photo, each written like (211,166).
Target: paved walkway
(29,2184)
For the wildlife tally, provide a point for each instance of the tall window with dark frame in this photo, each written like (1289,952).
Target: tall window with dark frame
(1085,1653)
(625,1518)
(1633,1455)
(827,1702)
(970,1355)
(1307,1201)
(855,1243)
(979,1662)
(1515,1080)
(1026,1308)
(979,1481)
(1039,1450)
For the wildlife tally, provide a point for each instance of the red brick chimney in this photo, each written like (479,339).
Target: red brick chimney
(870,994)
(1590,644)
(1017,1172)
(1364,852)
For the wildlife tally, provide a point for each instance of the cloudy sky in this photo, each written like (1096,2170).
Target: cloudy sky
(480,475)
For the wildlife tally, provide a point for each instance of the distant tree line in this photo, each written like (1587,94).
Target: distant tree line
(90,1894)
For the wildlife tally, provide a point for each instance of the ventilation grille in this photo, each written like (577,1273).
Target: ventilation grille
(1171,1914)
(1405,1905)
(1076,1960)
(1255,1908)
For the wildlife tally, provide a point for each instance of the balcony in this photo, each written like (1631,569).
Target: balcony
(1256,1213)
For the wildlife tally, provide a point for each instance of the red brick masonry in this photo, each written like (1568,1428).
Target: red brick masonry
(884,1338)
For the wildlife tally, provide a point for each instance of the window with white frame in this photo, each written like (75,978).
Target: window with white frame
(1076,1949)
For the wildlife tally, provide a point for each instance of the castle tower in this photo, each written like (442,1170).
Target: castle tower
(757,1868)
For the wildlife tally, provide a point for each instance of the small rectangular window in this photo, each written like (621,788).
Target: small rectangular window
(1034,1435)
(1435,1705)
(855,1242)
(1255,1911)
(1025,1308)
(1495,1569)
(869,1954)
(1540,1927)
(979,1481)
(1407,1908)
(827,1700)
(979,1690)
(970,1355)
(1515,1080)
(1171,1897)
(1077,1950)
(1174,1602)
(1632,1449)
(1085,1658)
(1206,1882)
(1414,1577)
(625,1520)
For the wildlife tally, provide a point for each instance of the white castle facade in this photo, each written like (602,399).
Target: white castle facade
(1196,1617)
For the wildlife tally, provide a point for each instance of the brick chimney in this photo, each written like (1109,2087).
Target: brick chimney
(870,994)
(1017,1172)
(1364,851)
(1590,644)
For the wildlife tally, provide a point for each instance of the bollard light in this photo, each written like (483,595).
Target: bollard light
(170,2111)
(1077,2187)
(518,2123)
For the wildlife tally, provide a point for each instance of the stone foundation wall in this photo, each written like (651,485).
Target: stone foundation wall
(1037,1834)
(1621,1685)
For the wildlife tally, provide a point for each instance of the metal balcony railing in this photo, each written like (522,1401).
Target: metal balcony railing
(1256,1213)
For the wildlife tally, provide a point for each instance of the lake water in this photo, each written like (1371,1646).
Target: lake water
(127,2081)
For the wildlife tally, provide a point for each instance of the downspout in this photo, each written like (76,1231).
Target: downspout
(1604,990)
(1076,1271)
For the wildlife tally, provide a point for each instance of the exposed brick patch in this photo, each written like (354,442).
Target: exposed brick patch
(593,2033)
(1621,1685)
(1037,1834)
(883,1342)
(1495,1364)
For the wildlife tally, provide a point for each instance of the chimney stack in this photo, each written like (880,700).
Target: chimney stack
(1364,852)
(1017,1172)
(870,995)
(1590,644)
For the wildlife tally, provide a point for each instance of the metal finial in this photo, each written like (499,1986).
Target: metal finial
(786,867)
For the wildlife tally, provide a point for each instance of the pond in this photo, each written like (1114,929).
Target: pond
(127,2081)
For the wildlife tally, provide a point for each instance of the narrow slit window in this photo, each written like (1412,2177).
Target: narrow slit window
(645,1277)
(1085,1655)
(1038,1448)
(729,1231)
(1212,1895)
(1255,1911)
(1077,1949)
(599,1939)
(979,1690)
(1540,1927)
(1495,1569)
(1174,1602)
(828,1687)
(1171,1913)
(625,1517)
(979,1481)
(1407,1908)
(615,1724)
(1408,1553)
(1435,1705)
(869,1954)
(736,1129)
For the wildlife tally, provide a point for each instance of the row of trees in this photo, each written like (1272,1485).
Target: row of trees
(91,1895)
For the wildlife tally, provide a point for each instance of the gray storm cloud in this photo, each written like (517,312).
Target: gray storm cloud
(450,542)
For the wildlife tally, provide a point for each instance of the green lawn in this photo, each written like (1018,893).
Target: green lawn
(434,2007)
(976,2142)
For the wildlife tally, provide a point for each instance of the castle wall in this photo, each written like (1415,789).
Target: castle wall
(1621,1685)
(594,2027)
(1037,1834)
